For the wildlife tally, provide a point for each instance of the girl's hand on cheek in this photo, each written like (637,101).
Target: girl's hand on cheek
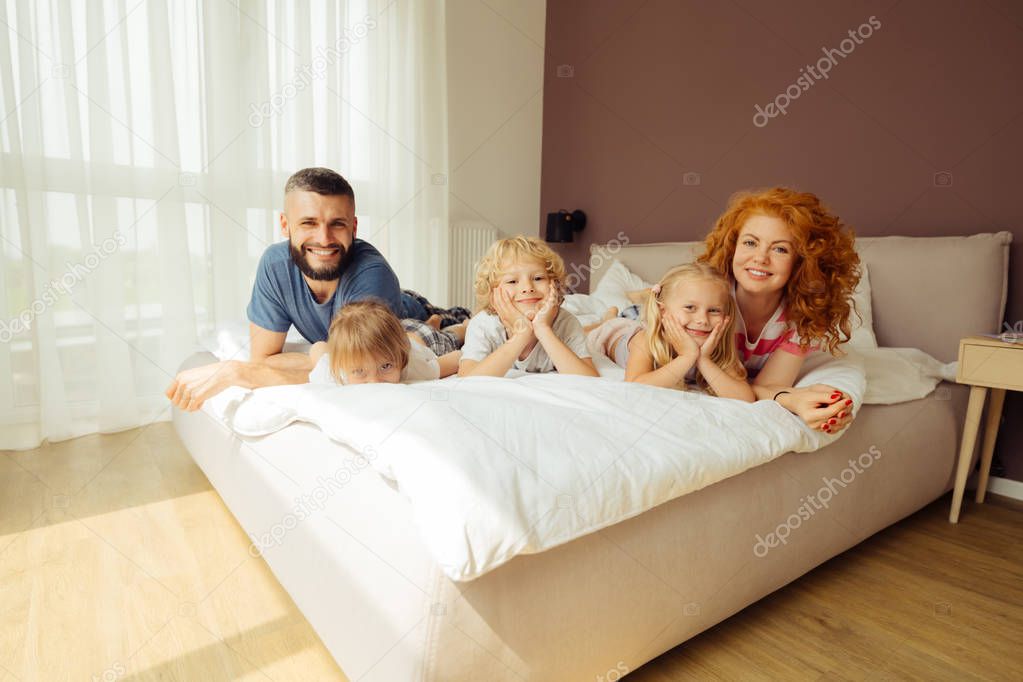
(679,338)
(714,337)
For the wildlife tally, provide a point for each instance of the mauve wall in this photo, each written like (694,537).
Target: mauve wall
(648,120)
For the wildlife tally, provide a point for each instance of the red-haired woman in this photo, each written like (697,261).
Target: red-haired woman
(794,268)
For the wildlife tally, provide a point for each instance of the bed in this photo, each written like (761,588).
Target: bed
(348,548)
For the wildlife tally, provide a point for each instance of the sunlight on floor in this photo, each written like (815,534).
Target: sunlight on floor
(119,561)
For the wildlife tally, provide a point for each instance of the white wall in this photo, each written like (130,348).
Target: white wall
(495,110)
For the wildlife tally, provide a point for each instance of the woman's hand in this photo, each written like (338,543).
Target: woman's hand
(822,407)
(513,320)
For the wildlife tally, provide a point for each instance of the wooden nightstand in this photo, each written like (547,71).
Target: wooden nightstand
(983,363)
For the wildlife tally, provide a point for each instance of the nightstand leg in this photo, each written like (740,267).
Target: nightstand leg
(994,415)
(970,427)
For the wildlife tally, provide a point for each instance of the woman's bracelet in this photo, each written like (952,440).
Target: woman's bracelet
(779,393)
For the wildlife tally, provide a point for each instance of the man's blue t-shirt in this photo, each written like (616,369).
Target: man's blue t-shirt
(281,297)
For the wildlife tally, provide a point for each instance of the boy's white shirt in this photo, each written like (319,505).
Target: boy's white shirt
(422,366)
(485,334)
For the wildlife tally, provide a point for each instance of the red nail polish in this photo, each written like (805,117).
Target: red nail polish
(827,428)
(848,402)
(836,395)
(841,414)
(832,421)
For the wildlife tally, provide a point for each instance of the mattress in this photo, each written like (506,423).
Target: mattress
(345,547)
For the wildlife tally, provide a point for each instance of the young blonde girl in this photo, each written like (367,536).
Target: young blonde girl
(520,324)
(367,344)
(685,339)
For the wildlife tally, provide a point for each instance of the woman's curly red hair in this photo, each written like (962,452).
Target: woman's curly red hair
(827,270)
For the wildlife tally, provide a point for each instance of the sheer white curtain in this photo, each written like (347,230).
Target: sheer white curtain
(145,146)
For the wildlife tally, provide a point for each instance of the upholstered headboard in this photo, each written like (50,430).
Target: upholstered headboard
(926,292)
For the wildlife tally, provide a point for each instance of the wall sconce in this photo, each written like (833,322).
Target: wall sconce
(562,224)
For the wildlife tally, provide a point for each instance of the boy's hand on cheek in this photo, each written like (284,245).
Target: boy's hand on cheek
(513,320)
(548,310)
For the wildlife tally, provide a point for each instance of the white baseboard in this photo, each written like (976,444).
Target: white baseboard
(1005,487)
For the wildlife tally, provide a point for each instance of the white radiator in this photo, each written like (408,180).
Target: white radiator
(469,241)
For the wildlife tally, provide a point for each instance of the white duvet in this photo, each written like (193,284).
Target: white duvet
(495,468)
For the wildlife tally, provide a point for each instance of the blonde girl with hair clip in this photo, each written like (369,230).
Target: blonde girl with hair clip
(686,338)
(520,323)
(366,344)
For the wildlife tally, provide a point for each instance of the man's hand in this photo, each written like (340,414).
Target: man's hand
(192,387)
(513,320)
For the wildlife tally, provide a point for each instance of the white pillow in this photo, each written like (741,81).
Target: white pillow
(586,308)
(230,341)
(862,324)
(613,287)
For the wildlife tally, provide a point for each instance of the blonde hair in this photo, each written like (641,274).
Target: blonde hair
(517,248)
(366,329)
(724,355)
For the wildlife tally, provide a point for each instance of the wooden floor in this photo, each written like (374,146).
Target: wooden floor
(119,562)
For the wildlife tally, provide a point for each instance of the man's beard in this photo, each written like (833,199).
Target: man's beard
(328,273)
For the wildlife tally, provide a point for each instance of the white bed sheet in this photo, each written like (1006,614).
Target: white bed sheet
(343,546)
(554,481)
(495,468)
